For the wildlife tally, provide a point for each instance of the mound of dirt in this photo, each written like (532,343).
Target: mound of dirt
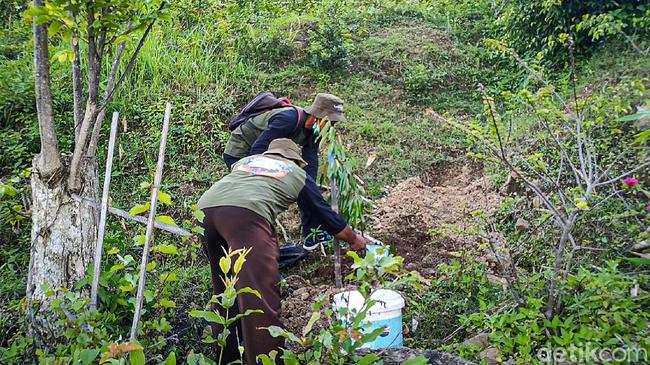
(426,221)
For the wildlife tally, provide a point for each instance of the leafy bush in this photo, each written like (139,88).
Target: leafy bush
(462,288)
(604,309)
(330,44)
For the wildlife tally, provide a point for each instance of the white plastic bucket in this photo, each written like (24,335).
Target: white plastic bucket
(386,313)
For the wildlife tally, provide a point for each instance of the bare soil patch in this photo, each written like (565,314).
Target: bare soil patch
(428,219)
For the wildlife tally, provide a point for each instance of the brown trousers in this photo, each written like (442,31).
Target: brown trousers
(235,228)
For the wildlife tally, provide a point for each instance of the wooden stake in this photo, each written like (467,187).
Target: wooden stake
(102,213)
(338,279)
(136,218)
(152,215)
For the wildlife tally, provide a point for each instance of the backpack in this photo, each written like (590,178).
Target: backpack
(262,103)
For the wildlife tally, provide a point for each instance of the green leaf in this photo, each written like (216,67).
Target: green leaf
(166,303)
(419,360)
(276,331)
(641,261)
(199,215)
(210,316)
(635,116)
(139,208)
(224,264)
(87,356)
(168,277)
(165,198)
(642,137)
(166,219)
(315,316)
(167,249)
(266,359)
(136,357)
(148,295)
(139,240)
(249,291)
(370,359)
(117,267)
(242,315)
(151,266)
(170,360)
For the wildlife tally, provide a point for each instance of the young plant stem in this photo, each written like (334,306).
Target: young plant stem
(338,279)
(225,327)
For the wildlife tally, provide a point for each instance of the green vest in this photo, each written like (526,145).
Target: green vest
(243,137)
(265,184)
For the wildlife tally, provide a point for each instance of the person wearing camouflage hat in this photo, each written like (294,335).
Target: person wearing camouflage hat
(254,136)
(239,213)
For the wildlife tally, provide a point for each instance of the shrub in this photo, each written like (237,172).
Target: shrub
(330,44)
(604,309)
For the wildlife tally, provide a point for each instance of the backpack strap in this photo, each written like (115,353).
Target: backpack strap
(286,102)
(300,121)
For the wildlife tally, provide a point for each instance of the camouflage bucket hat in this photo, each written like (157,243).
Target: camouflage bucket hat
(286,148)
(327,106)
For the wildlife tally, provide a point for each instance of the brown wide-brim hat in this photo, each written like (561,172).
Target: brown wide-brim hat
(286,148)
(327,106)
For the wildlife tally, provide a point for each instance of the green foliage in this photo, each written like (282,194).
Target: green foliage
(461,288)
(342,333)
(382,270)
(334,344)
(542,28)
(226,300)
(65,19)
(604,309)
(330,43)
(333,338)
(389,60)
(351,203)
(13,195)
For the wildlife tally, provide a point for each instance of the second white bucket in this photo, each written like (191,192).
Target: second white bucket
(386,313)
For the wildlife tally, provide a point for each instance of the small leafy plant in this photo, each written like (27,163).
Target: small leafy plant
(351,201)
(334,343)
(223,302)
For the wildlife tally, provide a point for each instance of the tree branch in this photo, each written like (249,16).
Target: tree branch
(77,85)
(94,77)
(131,63)
(640,167)
(48,161)
(97,126)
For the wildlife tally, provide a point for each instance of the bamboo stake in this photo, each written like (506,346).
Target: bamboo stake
(338,280)
(136,218)
(152,215)
(102,213)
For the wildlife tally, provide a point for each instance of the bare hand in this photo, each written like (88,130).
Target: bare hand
(359,243)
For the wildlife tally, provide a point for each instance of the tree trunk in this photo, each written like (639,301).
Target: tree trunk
(64,233)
